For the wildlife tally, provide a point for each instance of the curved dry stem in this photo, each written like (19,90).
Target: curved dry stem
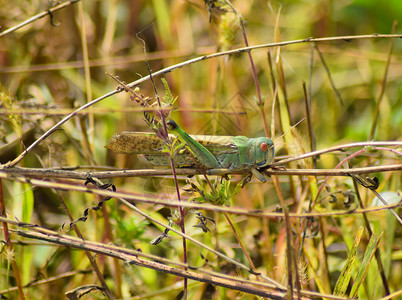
(188,62)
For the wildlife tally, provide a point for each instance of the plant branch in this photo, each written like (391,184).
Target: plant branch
(73,186)
(188,62)
(341,148)
(41,15)
(132,257)
(62,173)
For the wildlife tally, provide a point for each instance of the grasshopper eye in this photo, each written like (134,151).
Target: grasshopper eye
(264,147)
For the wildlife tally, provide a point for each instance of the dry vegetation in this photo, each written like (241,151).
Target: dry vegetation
(316,229)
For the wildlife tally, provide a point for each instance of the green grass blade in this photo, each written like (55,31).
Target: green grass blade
(26,216)
(368,256)
(344,278)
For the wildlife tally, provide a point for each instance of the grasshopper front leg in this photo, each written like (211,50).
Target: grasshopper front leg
(201,153)
(258,174)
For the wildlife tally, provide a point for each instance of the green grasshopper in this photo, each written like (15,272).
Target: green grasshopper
(203,151)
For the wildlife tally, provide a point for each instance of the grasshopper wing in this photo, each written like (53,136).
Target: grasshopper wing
(129,142)
(150,146)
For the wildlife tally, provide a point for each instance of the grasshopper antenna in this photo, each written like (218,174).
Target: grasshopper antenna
(147,63)
(290,129)
(161,113)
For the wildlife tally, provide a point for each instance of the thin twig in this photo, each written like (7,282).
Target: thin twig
(123,60)
(331,80)
(88,150)
(339,148)
(89,255)
(309,123)
(38,16)
(47,280)
(382,88)
(370,232)
(398,218)
(240,241)
(288,229)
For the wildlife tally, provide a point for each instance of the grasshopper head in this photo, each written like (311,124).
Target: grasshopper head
(172,125)
(264,151)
